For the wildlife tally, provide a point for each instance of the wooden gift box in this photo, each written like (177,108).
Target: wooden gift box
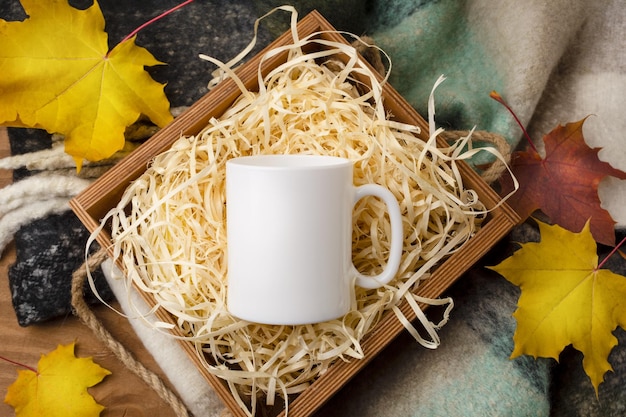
(94,202)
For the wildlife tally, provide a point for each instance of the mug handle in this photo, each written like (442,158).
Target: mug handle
(397,236)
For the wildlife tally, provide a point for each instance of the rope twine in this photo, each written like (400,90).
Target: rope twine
(497,168)
(84,313)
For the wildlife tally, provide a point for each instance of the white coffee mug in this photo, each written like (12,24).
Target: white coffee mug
(289,225)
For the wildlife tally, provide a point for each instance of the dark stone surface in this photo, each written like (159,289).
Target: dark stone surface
(48,252)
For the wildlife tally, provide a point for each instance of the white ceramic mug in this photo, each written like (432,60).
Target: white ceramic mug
(289,225)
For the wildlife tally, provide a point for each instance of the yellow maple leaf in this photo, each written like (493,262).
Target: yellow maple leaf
(59,388)
(565,299)
(59,75)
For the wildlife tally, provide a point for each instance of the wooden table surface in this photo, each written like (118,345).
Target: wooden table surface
(122,393)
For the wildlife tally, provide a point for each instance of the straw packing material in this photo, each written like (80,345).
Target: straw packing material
(169,229)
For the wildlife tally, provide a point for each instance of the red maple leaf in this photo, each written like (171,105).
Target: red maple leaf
(564,184)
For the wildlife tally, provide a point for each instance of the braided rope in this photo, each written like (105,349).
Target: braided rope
(84,313)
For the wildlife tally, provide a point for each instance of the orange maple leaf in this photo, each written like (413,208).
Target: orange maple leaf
(58,388)
(564,184)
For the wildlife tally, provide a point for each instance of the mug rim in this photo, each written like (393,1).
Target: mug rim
(289,161)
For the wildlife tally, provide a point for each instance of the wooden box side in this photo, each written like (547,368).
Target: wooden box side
(94,202)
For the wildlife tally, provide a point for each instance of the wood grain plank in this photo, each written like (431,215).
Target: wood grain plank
(6,176)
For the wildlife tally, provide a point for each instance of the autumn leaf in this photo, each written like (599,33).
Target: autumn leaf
(59,75)
(58,388)
(565,299)
(564,184)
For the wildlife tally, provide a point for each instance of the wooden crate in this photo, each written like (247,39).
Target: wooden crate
(95,201)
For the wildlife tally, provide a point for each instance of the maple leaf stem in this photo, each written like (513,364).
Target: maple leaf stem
(601,264)
(18,364)
(154,19)
(497,97)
